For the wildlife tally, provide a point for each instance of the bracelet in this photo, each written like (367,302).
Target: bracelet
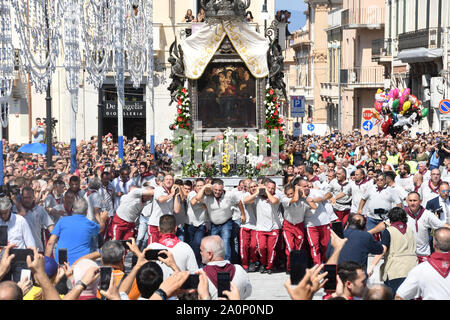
(79,282)
(161,293)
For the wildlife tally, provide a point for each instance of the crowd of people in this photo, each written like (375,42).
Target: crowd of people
(389,195)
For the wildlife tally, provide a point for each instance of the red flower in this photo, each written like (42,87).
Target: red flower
(280,128)
(271,91)
(267,121)
(276,112)
(280,121)
(181,125)
(274,99)
(199,166)
(268,140)
(179,111)
(183,90)
(179,119)
(187,124)
(179,102)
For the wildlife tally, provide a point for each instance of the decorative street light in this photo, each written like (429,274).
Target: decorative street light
(72,64)
(6,71)
(265,15)
(38,25)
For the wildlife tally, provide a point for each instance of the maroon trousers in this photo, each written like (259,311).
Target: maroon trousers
(318,238)
(248,247)
(294,236)
(267,241)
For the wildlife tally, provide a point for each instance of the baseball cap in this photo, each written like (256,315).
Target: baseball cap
(51,267)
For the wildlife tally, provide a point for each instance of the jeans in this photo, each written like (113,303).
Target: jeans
(236,228)
(142,237)
(181,233)
(394,284)
(372,223)
(194,236)
(224,231)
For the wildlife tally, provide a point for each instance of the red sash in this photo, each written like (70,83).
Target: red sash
(435,190)
(440,261)
(362,182)
(89,192)
(212,270)
(417,217)
(169,240)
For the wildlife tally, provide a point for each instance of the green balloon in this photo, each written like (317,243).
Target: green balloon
(424,112)
(395,105)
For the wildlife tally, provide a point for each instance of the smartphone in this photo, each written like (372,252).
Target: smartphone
(331,276)
(3,236)
(153,254)
(191,282)
(223,283)
(105,278)
(62,256)
(25,273)
(338,229)
(124,243)
(299,262)
(20,255)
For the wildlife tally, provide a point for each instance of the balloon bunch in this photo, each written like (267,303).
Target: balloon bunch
(398,109)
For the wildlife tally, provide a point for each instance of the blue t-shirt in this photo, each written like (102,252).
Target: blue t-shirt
(358,246)
(77,234)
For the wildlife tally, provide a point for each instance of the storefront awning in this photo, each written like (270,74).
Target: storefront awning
(420,55)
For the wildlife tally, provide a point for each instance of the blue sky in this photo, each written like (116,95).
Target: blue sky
(296,7)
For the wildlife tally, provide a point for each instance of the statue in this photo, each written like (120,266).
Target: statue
(177,73)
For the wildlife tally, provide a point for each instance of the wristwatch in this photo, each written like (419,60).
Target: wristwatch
(79,282)
(161,293)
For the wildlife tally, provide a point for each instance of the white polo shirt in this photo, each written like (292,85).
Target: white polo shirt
(268,217)
(160,208)
(358,190)
(131,205)
(379,199)
(220,210)
(426,221)
(196,214)
(94,200)
(19,231)
(107,194)
(426,193)
(38,219)
(235,209)
(402,194)
(324,213)
(294,212)
(250,213)
(424,281)
(183,255)
(406,183)
(335,188)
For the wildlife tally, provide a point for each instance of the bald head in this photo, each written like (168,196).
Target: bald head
(442,239)
(356,221)
(379,292)
(212,249)
(9,290)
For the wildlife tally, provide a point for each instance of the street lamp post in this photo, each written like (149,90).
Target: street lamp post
(265,16)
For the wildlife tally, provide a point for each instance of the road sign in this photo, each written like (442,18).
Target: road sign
(445,117)
(297,129)
(367,115)
(444,106)
(367,125)
(297,106)
(310,127)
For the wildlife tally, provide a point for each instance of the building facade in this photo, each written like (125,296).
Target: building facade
(141,118)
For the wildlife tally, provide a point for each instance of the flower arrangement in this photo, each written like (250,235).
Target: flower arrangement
(183,118)
(274,121)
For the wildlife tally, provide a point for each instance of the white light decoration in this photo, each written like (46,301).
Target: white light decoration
(136,40)
(6,59)
(38,24)
(96,31)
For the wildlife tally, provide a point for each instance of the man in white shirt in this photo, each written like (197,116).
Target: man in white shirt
(94,200)
(19,232)
(36,216)
(248,242)
(144,175)
(268,222)
(359,187)
(339,193)
(219,206)
(162,204)
(379,200)
(423,170)
(121,185)
(182,253)
(107,192)
(213,252)
(404,179)
(124,221)
(390,182)
(197,219)
(445,175)
(430,279)
(295,202)
(430,189)
(55,198)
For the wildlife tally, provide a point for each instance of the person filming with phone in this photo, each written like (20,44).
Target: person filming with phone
(38,131)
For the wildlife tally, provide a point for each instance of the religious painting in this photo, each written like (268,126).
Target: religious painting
(227,97)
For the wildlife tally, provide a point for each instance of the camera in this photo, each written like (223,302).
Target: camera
(7,189)
(381,213)
(439,211)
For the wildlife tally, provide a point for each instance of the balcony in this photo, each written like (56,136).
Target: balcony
(308,92)
(381,49)
(329,92)
(363,77)
(363,18)
(334,19)
(424,38)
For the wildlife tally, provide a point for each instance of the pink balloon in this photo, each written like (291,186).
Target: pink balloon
(401,100)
